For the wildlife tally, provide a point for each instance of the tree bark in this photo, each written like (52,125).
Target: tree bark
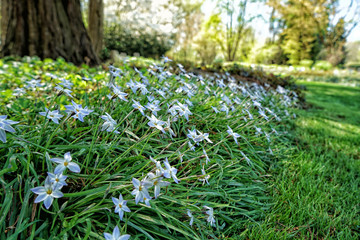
(48,29)
(96,24)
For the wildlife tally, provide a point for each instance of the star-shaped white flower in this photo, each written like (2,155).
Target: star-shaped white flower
(116,235)
(47,193)
(65,163)
(141,193)
(52,115)
(210,213)
(233,134)
(138,106)
(109,124)
(5,125)
(156,123)
(156,180)
(120,206)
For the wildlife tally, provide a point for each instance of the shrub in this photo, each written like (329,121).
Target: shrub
(323,65)
(306,63)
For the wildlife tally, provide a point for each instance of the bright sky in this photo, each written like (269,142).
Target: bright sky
(261,25)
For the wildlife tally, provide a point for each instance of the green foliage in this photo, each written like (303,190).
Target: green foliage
(306,63)
(269,54)
(323,65)
(127,40)
(306,30)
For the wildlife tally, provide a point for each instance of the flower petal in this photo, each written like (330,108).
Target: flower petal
(41,197)
(38,190)
(108,236)
(124,237)
(59,168)
(48,201)
(73,167)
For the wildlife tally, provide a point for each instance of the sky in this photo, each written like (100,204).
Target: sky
(261,25)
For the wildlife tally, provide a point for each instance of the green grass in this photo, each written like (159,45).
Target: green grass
(316,189)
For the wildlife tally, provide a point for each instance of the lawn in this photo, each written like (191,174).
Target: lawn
(316,189)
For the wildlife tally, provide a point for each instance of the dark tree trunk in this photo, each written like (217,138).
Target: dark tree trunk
(96,24)
(45,28)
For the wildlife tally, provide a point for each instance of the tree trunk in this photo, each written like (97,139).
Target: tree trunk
(96,24)
(48,29)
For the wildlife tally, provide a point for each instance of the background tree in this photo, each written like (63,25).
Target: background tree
(313,30)
(230,24)
(96,24)
(189,27)
(48,29)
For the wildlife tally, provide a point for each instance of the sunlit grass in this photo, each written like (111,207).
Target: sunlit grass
(316,188)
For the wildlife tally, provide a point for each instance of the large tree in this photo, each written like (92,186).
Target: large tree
(45,28)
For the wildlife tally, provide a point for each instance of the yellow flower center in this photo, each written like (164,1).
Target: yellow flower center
(66,163)
(56,179)
(49,191)
(156,182)
(140,188)
(120,206)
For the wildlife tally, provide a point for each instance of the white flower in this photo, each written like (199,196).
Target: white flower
(109,124)
(63,90)
(18,92)
(202,136)
(33,83)
(77,110)
(184,110)
(58,180)
(120,206)
(47,193)
(133,85)
(258,130)
(5,125)
(141,193)
(191,146)
(138,106)
(215,109)
(211,218)
(116,235)
(153,107)
(206,157)
(205,177)
(117,92)
(53,115)
(262,113)
(168,128)
(65,163)
(156,181)
(190,216)
(158,165)
(156,123)
(192,134)
(166,59)
(170,171)
(66,83)
(225,108)
(233,134)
